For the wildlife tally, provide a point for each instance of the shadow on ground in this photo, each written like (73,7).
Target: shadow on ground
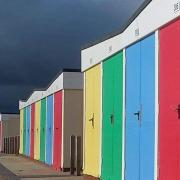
(14,167)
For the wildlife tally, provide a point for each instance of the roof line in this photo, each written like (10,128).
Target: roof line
(122,28)
(49,84)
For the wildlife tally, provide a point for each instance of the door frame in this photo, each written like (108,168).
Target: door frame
(156,168)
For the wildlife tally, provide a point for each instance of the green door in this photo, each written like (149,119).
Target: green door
(42,130)
(24,131)
(112,118)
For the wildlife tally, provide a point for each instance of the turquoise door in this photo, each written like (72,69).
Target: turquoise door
(49,130)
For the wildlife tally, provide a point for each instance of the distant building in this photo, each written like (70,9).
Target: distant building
(9,133)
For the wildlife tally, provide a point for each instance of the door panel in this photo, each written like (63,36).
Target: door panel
(108,115)
(112,118)
(24,131)
(49,130)
(28,131)
(140,110)
(132,134)
(37,130)
(92,121)
(32,131)
(118,117)
(43,130)
(21,130)
(57,130)
(147,108)
(169,123)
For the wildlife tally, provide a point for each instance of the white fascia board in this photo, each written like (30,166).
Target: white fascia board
(36,96)
(57,85)
(21,104)
(67,80)
(157,14)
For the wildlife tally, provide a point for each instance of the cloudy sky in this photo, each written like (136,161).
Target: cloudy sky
(40,37)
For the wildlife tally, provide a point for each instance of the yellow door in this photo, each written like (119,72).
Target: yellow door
(21,131)
(92,151)
(37,131)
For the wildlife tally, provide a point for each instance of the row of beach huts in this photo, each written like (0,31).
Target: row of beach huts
(124,103)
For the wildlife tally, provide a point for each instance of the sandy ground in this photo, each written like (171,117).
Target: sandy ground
(17,167)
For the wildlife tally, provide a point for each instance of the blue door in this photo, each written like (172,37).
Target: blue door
(132,107)
(49,130)
(28,115)
(140,110)
(147,108)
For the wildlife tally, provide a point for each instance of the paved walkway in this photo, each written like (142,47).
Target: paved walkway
(16,168)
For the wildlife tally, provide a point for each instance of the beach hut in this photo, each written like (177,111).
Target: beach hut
(131,96)
(56,115)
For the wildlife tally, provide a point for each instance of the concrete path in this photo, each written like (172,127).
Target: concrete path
(16,168)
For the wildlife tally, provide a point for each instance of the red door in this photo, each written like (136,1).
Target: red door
(32,131)
(57,130)
(169,122)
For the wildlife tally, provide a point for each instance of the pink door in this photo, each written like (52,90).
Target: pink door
(57,130)
(169,96)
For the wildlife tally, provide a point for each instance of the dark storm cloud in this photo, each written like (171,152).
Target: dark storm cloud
(40,37)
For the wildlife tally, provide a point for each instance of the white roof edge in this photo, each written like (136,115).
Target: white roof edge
(35,96)
(157,14)
(66,80)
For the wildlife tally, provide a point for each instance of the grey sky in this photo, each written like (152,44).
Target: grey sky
(40,37)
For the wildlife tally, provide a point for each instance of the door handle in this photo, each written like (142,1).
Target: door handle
(112,119)
(178,111)
(138,113)
(92,120)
